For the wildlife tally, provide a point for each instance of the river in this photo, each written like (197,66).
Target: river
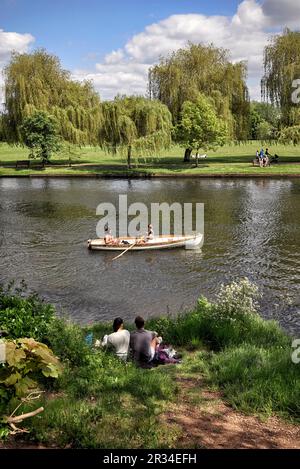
(251,229)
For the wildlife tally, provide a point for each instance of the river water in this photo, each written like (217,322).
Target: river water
(251,229)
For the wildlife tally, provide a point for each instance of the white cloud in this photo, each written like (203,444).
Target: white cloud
(245,34)
(9,42)
(282,12)
(114,57)
(112,79)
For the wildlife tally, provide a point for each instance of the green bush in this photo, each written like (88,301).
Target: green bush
(232,320)
(24,316)
(67,340)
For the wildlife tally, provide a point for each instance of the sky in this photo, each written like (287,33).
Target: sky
(114,42)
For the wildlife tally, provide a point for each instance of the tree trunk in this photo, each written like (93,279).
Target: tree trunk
(129,157)
(45,156)
(197,160)
(187,155)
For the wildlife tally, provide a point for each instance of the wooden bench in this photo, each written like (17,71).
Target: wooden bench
(23,164)
(37,165)
(29,164)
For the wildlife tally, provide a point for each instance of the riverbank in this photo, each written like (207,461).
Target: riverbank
(237,385)
(229,161)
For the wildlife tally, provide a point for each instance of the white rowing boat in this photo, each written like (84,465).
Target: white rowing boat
(159,242)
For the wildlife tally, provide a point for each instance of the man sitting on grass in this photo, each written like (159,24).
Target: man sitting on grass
(143,344)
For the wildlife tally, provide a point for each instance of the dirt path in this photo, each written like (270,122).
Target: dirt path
(206,421)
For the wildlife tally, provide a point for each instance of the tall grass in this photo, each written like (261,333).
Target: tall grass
(251,357)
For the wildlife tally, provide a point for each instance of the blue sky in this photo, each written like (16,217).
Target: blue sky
(77,29)
(114,42)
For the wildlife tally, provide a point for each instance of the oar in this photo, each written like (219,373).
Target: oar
(130,247)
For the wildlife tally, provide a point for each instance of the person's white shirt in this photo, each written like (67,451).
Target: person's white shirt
(119,341)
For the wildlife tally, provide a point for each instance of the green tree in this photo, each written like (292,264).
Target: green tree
(135,124)
(37,82)
(282,67)
(264,131)
(208,70)
(199,127)
(290,135)
(261,113)
(40,135)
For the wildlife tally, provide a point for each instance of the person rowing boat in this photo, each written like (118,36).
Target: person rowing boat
(149,236)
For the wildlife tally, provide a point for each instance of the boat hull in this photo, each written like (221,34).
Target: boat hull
(161,242)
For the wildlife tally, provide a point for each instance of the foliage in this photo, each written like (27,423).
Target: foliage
(67,341)
(199,126)
(236,300)
(282,67)
(39,133)
(36,82)
(24,316)
(290,135)
(135,124)
(26,360)
(265,120)
(230,321)
(264,131)
(208,70)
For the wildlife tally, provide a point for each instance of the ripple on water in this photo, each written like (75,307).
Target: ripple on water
(251,229)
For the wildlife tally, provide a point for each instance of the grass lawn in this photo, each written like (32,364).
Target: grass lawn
(228,160)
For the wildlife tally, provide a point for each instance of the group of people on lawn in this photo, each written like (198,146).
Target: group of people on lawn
(144,347)
(264,158)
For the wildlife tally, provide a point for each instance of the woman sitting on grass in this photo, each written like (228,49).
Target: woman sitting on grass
(118,340)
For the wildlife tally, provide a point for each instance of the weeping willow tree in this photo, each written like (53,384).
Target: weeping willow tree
(36,82)
(205,69)
(281,70)
(135,125)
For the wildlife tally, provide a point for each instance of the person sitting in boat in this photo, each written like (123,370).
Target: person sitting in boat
(143,344)
(108,237)
(118,341)
(150,233)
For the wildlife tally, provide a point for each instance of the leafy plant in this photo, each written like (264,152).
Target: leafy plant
(26,361)
(24,316)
